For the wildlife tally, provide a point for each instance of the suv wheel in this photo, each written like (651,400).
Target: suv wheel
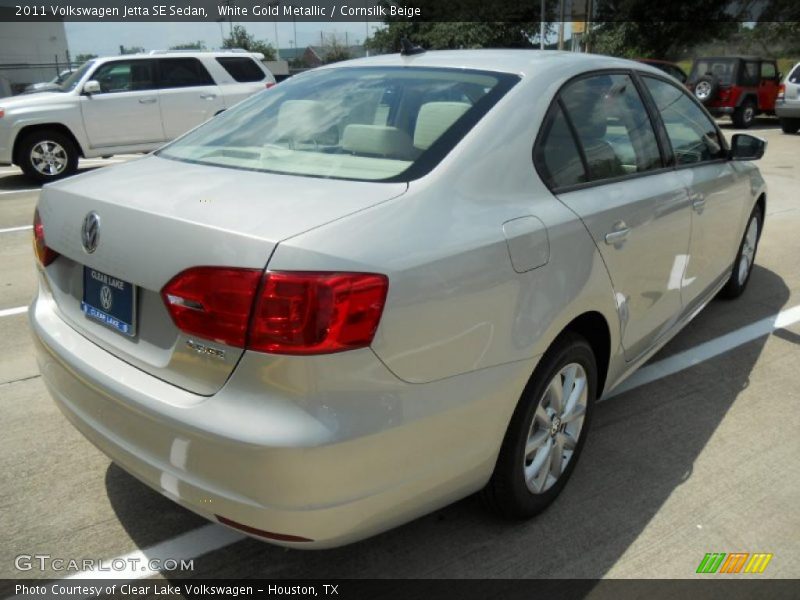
(48,155)
(547,432)
(790,125)
(744,115)
(706,88)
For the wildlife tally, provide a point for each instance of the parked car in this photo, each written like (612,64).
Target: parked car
(669,68)
(787,105)
(123,104)
(387,284)
(49,86)
(739,86)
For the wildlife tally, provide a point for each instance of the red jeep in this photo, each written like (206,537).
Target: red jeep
(739,86)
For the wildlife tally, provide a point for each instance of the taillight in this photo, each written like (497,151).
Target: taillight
(317,313)
(781,91)
(212,302)
(294,313)
(270,84)
(44,254)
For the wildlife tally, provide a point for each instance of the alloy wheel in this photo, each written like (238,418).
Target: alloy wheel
(49,158)
(748,251)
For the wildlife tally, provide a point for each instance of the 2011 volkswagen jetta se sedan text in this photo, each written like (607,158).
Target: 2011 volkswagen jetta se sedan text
(387,284)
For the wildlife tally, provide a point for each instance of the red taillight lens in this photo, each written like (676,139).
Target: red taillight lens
(270,84)
(44,254)
(781,91)
(212,302)
(295,313)
(317,313)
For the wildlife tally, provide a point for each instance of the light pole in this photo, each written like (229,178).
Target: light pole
(541,26)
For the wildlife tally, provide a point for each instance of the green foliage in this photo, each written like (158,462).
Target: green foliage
(436,36)
(335,52)
(198,45)
(82,58)
(241,38)
(130,49)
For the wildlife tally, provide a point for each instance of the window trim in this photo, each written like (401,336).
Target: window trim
(556,101)
(657,115)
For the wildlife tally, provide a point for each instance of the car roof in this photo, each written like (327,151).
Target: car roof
(182,54)
(734,57)
(519,62)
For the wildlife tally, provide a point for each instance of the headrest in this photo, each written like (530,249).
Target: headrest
(378,140)
(434,119)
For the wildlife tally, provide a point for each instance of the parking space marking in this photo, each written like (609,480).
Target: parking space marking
(8,312)
(707,350)
(20,228)
(208,538)
(28,191)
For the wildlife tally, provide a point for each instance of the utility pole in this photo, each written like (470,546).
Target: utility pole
(561,25)
(541,26)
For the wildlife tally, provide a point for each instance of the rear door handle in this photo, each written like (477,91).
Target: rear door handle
(208,96)
(620,233)
(146,100)
(698,202)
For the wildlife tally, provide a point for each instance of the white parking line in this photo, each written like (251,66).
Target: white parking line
(13,229)
(208,538)
(20,191)
(8,312)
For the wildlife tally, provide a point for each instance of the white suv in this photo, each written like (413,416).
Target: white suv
(123,104)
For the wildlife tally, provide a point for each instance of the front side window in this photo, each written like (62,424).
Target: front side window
(750,74)
(691,132)
(612,125)
(125,76)
(182,72)
(363,123)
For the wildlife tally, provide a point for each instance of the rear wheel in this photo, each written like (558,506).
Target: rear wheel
(744,115)
(790,125)
(743,265)
(48,155)
(547,432)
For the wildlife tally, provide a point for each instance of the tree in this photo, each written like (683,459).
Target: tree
(198,45)
(442,35)
(130,50)
(82,58)
(240,38)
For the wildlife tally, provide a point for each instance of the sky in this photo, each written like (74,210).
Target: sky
(105,38)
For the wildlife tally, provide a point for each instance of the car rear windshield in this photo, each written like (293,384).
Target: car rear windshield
(724,69)
(242,69)
(362,123)
(794,76)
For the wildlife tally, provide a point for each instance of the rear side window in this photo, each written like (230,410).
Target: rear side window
(183,72)
(241,68)
(612,125)
(691,132)
(557,156)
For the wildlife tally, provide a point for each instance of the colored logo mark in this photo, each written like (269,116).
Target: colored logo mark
(735,562)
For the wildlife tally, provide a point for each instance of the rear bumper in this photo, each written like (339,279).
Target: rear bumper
(332,449)
(788,110)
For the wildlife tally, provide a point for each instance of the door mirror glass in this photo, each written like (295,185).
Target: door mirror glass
(91,87)
(747,147)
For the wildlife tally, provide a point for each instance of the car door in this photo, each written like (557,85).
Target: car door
(718,193)
(125,112)
(188,95)
(632,204)
(768,86)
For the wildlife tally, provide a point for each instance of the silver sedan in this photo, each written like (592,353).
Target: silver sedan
(387,284)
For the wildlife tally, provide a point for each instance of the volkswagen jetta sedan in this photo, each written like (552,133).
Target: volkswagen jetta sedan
(387,284)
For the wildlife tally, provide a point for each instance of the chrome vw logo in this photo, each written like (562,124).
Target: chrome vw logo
(90,232)
(106,297)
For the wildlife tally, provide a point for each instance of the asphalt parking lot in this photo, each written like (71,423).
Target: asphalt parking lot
(699,454)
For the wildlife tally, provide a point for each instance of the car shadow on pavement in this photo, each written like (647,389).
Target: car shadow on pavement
(642,446)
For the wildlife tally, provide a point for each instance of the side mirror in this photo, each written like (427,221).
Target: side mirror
(91,87)
(747,147)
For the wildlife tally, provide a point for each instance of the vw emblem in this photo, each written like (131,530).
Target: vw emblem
(106,298)
(90,232)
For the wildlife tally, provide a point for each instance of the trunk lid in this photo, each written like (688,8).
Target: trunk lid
(159,217)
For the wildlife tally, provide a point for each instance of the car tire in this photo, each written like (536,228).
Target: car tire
(47,155)
(745,257)
(518,488)
(744,115)
(790,125)
(705,88)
